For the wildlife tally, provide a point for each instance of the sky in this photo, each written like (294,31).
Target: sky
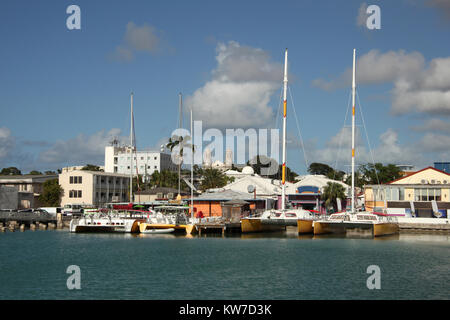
(65,94)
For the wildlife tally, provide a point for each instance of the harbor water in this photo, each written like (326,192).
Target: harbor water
(33,265)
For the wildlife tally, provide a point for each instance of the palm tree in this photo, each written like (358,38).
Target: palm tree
(180,142)
(213,178)
(331,193)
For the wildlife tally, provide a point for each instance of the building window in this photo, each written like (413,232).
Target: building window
(142,158)
(79,193)
(115,160)
(70,179)
(156,167)
(115,169)
(429,194)
(80,179)
(438,194)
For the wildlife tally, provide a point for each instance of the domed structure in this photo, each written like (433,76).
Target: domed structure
(248,170)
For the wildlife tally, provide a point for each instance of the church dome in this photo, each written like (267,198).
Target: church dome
(248,170)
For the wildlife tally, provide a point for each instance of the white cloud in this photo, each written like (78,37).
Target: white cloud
(361,18)
(433,125)
(81,150)
(143,38)
(417,87)
(239,93)
(433,142)
(375,67)
(6,142)
(428,91)
(337,151)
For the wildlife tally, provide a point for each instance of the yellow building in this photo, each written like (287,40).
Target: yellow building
(413,193)
(93,187)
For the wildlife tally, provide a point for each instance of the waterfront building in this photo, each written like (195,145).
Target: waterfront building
(306,193)
(126,161)
(12,199)
(28,183)
(93,188)
(413,194)
(215,204)
(159,194)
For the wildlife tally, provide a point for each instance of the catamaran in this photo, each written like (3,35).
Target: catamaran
(275,220)
(166,217)
(125,220)
(356,222)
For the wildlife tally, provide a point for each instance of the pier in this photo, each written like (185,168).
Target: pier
(218,227)
(21,220)
(424,224)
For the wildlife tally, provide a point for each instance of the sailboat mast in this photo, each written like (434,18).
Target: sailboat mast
(353,130)
(283,179)
(131,150)
(192,171)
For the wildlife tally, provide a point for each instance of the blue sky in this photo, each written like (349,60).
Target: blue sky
(65,93)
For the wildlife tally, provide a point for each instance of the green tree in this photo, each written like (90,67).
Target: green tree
(320,168)
(331,193)
(50,172)
(360,181)
(35,172)
(378,173)
(91,167)
(213,178)
(10,171)
(51,194)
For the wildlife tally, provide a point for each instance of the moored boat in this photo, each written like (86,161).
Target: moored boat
(358,223)
(353,222)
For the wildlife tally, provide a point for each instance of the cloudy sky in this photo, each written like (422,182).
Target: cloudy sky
(65,93)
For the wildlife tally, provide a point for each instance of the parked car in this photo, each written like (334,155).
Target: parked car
(72,210)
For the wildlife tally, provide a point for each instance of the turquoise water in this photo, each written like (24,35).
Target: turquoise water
(123,266)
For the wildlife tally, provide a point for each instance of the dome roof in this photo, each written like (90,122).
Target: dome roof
(248,170)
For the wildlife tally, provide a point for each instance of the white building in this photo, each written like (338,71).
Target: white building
(93,187)
(123,160)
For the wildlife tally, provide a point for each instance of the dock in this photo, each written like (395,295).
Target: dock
(27,219)
(218,227)
(424,224)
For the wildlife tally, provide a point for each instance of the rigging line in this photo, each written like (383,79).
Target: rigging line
(340,139)
(367,137)
(298,127)
(279,108)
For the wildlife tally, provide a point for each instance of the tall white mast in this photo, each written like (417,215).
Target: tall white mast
(192,170)
(283,190)
(180,125)
(131,150)
(353,130)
